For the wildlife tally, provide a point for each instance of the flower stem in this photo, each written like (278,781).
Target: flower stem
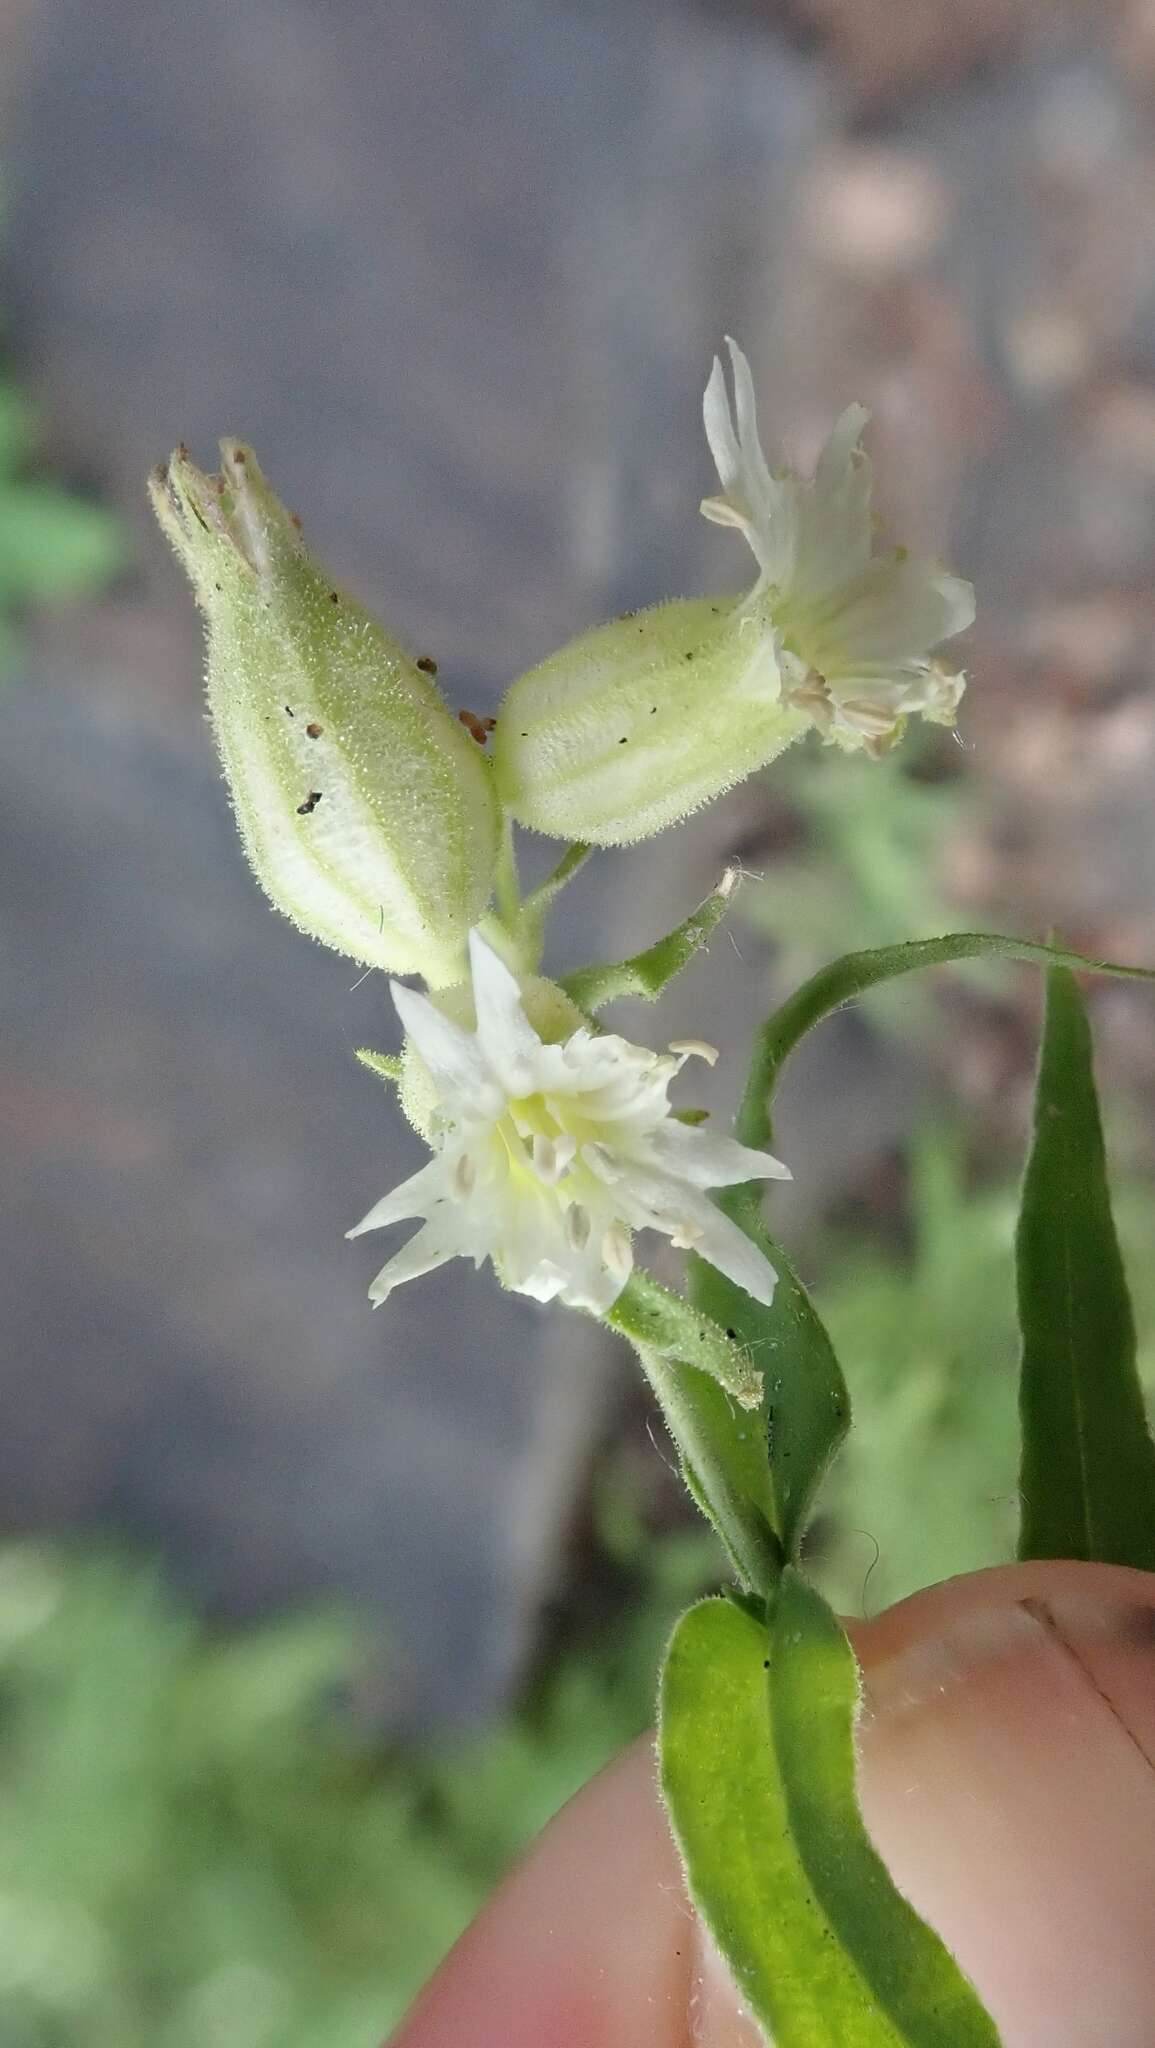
(719,1462)
(506,886)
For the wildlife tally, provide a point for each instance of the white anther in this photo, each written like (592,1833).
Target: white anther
(578,1225)
(552,1156)
(617,1252)
(686,1236)
(694,1049)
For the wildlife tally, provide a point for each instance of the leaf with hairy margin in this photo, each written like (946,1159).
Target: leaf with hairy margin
(756,1746)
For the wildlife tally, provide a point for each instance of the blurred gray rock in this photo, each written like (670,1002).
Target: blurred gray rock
(457,272)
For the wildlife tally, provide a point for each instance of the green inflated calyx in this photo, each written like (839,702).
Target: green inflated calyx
(631,726)
(366,810)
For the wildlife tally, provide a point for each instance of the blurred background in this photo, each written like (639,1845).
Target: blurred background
(308,1618)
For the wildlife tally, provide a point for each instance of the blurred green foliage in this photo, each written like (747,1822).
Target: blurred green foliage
(927,1334)
(52,543)
(195,1845)
(864,869)
(863,865)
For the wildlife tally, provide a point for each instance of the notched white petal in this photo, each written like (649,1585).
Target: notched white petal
(415,1197)
(729,1249)
(431,1247)
(707,1160)
(506,1037)
(453,1056)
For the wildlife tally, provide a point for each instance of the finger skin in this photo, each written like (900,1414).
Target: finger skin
(1007,1776)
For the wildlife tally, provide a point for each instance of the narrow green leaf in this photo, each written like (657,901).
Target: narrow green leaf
(852,975)
(805,1409)
(697,1373)
(388,1066)
(756,1742)
(647,974)
(1088,1462)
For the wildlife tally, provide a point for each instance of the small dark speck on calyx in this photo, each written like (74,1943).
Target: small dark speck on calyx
(333,597)
(427,664)
(623,740)
(310,803)
(313,730)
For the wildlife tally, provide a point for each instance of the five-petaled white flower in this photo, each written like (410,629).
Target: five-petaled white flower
(547,1157)
(854,631)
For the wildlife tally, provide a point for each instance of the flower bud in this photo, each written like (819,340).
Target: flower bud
(631,726)
(367,812)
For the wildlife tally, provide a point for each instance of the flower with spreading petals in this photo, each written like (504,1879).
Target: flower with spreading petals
(547,1157)
(854,632)
(635,723)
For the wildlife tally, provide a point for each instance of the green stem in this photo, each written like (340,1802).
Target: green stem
(700,1416)
(852,975)
(505,881)
(541,900)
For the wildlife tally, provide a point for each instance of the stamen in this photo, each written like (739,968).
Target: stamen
(578,1224)
(617,1252)
(694,1049)
(685,1235)
(552,1156)
(874,720)
(544,1157)
(463,1179)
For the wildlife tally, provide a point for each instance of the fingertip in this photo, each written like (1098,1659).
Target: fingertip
(1007,1779)
(589,1944)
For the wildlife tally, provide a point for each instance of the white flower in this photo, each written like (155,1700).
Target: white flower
(546,1158)
(854,631)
